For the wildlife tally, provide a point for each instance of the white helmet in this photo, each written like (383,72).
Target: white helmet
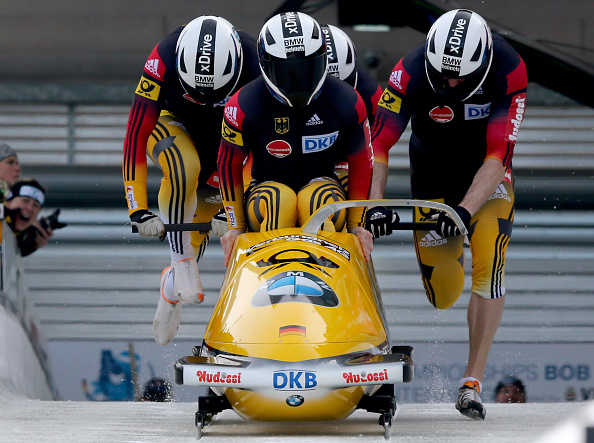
(292,56)
(208,59)
(341,54)
(459,46)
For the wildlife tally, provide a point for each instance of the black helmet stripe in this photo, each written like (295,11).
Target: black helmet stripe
(206,47)
(432,44)
(349,55)
(291,25)
(457,35)
(182,62)
(331,51)
(229,65)
(269,38)
(477,53)
(315,33)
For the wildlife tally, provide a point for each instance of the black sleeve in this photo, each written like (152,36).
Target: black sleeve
(27,241)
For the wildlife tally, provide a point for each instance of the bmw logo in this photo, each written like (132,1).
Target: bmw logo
(295,400)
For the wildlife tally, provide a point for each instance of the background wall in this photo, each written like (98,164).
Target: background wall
(109,40)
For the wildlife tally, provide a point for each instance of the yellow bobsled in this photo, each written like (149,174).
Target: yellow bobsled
(298,332)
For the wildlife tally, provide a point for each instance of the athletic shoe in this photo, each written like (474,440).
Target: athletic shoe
(469,401)
(168,315)
(187,286)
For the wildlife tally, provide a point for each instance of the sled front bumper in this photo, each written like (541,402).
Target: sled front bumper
(238,372)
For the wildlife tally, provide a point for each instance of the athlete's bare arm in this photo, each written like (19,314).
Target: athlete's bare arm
(378,182)
(483,185)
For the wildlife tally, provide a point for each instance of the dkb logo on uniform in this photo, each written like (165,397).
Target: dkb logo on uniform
(317,143)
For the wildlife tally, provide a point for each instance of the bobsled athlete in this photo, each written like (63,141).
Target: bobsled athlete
(176,118)
(464,91)
(342,64)
(296,121)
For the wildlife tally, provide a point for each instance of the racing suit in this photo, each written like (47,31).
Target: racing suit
(294,154)
(182,138)
(370,92)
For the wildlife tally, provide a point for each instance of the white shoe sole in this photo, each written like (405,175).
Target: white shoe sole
(167,317)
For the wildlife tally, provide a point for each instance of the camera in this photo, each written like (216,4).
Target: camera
(51,221)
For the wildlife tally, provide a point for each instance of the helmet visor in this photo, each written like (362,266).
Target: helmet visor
(297,79)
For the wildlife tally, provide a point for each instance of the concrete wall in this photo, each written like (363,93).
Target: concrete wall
(109,40)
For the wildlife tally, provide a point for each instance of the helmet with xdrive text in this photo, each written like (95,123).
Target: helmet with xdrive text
(208,59)
(292,56)
(342,58)
(459,46)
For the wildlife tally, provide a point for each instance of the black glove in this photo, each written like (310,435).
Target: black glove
(379,221)
(446,226)
(148,224)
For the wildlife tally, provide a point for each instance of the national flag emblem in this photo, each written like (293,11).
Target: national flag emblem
(291,330)
(281,125)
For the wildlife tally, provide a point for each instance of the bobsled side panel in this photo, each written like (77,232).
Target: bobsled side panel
(288,288)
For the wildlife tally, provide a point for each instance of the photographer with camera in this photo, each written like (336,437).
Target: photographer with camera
(21,211)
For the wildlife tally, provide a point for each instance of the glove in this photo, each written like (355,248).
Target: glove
(219,223)
(446,226)
(380,221)
(148,224)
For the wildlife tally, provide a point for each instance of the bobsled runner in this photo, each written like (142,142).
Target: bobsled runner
(298,332)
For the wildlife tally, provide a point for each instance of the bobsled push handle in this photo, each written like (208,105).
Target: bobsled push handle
(314,223)
(175,227)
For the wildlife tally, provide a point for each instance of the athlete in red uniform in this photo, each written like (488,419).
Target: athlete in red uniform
(295,121)
(342,64)
(176,118)
(464,92)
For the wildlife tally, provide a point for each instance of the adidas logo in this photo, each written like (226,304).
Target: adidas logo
(432,239)
(152,66)
(231,114)
(500,192)
(315,120)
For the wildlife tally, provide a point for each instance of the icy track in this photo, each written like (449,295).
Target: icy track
(25,420)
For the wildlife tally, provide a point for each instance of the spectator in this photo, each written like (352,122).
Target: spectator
(22,206)
(157,389)
(10,170)
(510,389)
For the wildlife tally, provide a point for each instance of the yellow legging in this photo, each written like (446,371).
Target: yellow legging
(182,199)
(273,205)
(441,260)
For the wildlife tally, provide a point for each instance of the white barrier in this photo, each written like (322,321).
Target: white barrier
(23,360)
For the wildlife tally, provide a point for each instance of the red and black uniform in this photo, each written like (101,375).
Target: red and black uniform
(293,146)
(370,92)
(181,136)
(450,141)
